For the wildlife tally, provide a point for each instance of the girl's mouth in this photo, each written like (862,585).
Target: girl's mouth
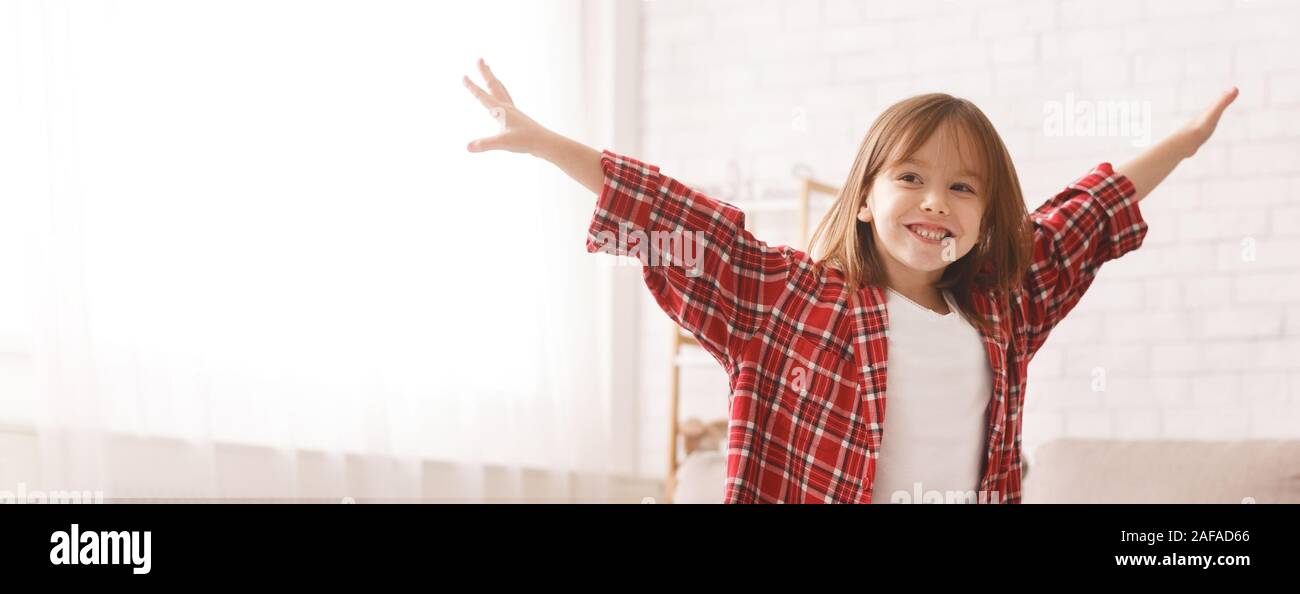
(929,233)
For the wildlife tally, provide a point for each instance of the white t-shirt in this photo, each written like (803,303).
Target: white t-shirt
(938,390)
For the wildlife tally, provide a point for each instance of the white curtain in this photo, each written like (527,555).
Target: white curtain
(254,224)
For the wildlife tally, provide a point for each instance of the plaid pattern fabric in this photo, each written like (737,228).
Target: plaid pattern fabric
(806,355)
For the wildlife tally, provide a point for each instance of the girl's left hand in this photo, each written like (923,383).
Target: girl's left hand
(1197,131)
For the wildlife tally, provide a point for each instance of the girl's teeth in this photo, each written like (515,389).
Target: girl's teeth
(928,234)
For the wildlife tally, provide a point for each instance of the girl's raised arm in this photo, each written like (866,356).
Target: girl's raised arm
(1096,219)
(704,269)
(1148,169)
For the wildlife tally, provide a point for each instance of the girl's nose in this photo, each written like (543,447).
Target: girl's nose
(934,204)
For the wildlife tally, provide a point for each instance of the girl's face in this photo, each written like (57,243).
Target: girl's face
(926,211)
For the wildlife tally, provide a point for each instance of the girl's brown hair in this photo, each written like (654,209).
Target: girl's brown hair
(1001,254)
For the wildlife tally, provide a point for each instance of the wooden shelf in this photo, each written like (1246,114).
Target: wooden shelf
(803,204)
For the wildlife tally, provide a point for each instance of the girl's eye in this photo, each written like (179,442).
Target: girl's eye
(910,178)
(963,188)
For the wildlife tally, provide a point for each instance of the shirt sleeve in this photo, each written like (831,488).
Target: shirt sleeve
(704,269)
(1093,220)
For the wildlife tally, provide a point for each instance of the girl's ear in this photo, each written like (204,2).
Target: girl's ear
(864,211)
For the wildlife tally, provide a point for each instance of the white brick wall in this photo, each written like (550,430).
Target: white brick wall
(1198,332)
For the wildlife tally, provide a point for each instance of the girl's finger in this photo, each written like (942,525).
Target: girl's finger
(483,97)
(1223,103)
(485,144)
(494,85)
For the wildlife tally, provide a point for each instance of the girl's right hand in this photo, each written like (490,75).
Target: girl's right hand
(519,133)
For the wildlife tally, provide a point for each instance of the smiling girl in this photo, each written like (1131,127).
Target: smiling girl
(931,289)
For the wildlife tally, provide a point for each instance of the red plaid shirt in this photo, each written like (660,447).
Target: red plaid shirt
(806,355)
